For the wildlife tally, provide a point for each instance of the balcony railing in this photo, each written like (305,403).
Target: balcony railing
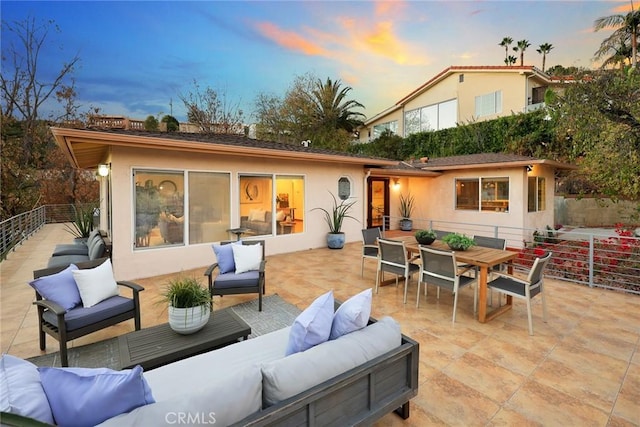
(17,229)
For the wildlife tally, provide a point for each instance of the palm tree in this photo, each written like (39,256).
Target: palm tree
(522,46)
(627,30)
(506,42)
(510,60)
(331,108)
(543,49)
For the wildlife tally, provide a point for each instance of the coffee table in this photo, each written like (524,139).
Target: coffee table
(160,345)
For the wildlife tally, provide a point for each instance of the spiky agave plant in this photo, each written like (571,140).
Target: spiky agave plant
(337,215)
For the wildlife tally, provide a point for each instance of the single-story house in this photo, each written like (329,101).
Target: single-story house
(166,197)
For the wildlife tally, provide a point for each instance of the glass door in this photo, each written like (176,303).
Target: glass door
(378,197)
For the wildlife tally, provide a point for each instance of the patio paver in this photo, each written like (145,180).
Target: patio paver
(582,368)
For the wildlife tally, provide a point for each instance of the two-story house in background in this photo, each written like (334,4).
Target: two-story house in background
(460,95)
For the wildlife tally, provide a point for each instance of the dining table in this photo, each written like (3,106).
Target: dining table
(481,257)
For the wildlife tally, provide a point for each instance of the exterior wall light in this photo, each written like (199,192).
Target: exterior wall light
(103,170)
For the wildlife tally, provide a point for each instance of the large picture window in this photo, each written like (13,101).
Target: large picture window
(267,210)
(159,208)
(391,126)
(536,200)
(431,117)
(209,203)
(485,194)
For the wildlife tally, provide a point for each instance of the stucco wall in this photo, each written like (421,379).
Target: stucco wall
(589,212)
(131,263)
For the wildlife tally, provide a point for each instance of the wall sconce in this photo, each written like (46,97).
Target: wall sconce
(103,170)
(396,182)
(529,168)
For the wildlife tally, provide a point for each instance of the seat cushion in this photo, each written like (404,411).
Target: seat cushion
(60,261)
(286,377)
(233,280)
(81,316)
(71,249)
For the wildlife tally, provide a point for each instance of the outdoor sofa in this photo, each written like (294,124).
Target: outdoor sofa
(352,380)
(98,246)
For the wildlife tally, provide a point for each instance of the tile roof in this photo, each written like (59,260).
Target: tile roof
(229,139)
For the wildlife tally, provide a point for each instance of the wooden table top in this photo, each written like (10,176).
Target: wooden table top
(475,255)
(160,345)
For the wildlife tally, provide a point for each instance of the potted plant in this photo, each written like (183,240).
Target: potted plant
(334,219)
(82,224)
(406,209)
(458,242)
(189,304)
(425,237)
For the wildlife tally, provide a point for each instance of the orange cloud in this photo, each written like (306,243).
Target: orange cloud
(289,39)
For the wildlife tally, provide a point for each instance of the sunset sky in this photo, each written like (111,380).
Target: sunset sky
(137,56)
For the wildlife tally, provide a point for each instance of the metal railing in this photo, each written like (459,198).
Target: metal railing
(17,229)
(609,261)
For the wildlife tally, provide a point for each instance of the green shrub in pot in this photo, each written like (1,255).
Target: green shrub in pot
(425,237)
(458,242)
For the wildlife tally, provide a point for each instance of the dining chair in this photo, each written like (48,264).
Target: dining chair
(493,243)
(369,245)
(440,268)
(393,259)
(525,288)
(441,233)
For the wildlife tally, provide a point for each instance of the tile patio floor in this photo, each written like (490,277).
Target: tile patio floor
(580,369)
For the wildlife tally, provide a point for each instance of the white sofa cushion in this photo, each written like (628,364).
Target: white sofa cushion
(286,377)
(220,387)
(217,363)
(221,401)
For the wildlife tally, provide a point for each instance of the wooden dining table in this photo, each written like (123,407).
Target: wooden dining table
(484,258)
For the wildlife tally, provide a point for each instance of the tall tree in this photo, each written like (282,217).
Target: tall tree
(33,169)
(332,109)
(599,124)
(212,111)
(510,60)
(310,110)
(521,47)
(506,42)
(627,28)
(543,50)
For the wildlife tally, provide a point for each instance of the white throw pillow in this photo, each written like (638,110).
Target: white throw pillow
(280,216)
(257,215)
(312,326)
(247,257)
(96,284)
(352,315)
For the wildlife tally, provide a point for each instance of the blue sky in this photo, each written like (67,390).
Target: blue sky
(137,56)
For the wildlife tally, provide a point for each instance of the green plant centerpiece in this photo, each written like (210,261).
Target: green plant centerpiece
(458,242)
(425,237)
(82,224)
(189,304)
(334,219)
(407,204)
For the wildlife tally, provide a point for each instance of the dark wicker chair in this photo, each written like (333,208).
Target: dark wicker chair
(369,245)
(65,325)
(244,283)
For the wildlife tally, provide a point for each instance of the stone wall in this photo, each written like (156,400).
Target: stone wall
(590,212)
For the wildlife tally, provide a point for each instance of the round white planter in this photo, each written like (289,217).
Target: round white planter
(188,320)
